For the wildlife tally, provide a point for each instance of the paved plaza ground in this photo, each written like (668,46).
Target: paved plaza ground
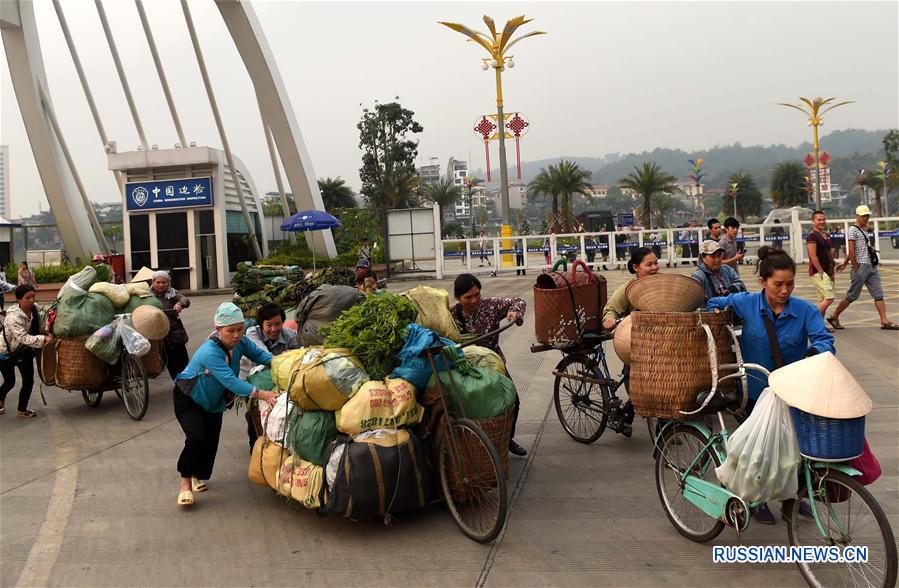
(87,496)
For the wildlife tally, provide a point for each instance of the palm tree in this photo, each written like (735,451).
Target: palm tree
(543,185)
(648,181)
(442,193)
(788,186)
(569,178)
(749,197)
(663,207)
(336,194)
(400,187)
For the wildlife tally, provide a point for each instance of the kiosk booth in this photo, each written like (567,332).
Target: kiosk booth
(182,213)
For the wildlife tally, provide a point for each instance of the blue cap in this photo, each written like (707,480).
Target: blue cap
(228,314)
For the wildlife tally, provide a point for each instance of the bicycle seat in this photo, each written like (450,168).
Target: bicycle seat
(722,400)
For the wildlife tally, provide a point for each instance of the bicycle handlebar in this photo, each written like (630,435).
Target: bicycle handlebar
(517,322)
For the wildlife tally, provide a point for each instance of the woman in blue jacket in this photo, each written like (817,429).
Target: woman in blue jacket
(798,326)
(201,396)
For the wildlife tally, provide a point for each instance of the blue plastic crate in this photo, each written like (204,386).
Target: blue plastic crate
(826,438)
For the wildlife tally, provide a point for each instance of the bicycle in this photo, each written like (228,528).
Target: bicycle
(585,394)
(472,476)
(687,453)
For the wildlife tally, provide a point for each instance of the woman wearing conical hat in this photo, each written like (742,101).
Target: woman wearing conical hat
(796,323)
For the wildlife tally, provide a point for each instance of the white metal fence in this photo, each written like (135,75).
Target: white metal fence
(673,247)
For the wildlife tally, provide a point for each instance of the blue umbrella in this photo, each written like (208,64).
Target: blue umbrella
(310,220)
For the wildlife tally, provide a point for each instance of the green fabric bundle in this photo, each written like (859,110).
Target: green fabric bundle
(136,301)
(262,380)
(482,392)
(310,434)
(79,314)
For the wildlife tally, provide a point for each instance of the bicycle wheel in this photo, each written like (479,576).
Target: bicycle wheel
(472,479)
(92,398)
(850,515)
(678,448)
(135,389)
(582,407)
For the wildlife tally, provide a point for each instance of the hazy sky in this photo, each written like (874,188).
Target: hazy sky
(609,76)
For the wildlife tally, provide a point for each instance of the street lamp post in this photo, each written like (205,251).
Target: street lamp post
(815,110)
(884,170)
(497,44)
(733,191)
(697,176)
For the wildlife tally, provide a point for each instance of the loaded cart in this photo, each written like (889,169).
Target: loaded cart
(69,365)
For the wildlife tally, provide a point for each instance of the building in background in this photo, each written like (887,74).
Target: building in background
(430,173)
(5,208)
(457,171)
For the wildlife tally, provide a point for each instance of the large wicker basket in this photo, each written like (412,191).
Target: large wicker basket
(670,360)
(153,359)
(76,367)
(499,430)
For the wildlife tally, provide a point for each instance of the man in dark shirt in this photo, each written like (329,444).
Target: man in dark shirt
(820,260)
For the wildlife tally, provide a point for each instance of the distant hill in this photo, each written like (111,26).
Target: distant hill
(850,149)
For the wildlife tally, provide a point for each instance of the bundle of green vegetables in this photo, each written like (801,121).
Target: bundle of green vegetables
(373,331)
(288,293)
(250,278)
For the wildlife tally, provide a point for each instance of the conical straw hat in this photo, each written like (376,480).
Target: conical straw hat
(821,385)
(144,274)
(665,293)
(622,340)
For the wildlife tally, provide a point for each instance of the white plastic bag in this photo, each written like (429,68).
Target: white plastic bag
(135,343)
(104,343)
(763,454)
(277,419)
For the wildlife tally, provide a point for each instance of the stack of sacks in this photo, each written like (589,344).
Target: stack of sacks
(80,312)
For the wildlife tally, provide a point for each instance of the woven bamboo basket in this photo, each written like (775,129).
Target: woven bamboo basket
(478,463)
(76,367)
(153,360)
(670,360)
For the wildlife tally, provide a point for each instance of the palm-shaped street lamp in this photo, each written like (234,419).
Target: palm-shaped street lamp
(814,110)
(497,46)
(733,191)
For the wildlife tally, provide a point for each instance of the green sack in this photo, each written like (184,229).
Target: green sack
(136,301)
(311,438)
(263,380)
(482,392)
(81,314)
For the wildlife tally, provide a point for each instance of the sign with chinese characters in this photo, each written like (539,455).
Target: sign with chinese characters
(168,194)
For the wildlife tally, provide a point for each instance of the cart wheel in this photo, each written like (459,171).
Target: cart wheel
(135,389)
(473,481)
(92,398)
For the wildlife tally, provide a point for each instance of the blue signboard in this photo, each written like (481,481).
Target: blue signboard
(168,194)
(625,219)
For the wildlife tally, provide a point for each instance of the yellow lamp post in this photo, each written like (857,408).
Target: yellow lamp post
(815,110)
(497,46)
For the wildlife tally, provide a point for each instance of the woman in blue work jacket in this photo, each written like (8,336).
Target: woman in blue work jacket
(202,394)
(798,326)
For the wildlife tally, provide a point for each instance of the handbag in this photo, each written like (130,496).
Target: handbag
(868,465)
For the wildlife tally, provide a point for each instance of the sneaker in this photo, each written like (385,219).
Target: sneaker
(516,449)
(763,515)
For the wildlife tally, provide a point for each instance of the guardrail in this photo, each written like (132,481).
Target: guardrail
(673,246)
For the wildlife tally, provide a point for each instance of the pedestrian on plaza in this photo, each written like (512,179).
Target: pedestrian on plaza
(25,276)
(173,302)
(478,316)
(483,243)
(5,287)
(820,260)
(838,240)
(732,250)
(716,279)
(777,235)
(202,393)
(369,283)
(864,272)
(590,245)
(643,262)
(694,237)
(714,229)
(523,229)
(22,334)
(364,249)
(547,248)
(775,316)
(604,245)
(272,336)
(684,238)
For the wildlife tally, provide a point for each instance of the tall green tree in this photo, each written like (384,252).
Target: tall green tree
(749,197)
(891,146)
(399,188)
(389,149)
(443,193)
(336,194)
(543,185)
(648,181)
(788,186)
(569,179)
(664,208)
